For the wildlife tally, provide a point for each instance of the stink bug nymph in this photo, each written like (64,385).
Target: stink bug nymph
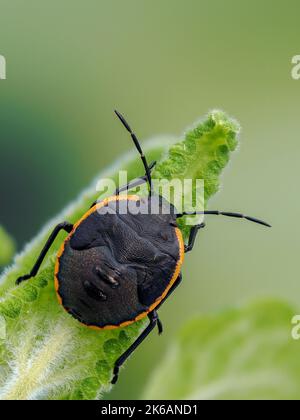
(114,269)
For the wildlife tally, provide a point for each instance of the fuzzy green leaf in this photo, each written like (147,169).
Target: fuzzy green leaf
(238,354)
(202,154)
(7,247)
(49,355)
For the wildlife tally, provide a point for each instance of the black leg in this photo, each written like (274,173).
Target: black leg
(62,226)
(136,182)
(174,286)
(132,184)
(159,326)
(193,233)
(153,318)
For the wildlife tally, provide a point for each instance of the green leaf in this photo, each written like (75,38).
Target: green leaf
(243,353)
(7,247)
(202,154)
(47,354)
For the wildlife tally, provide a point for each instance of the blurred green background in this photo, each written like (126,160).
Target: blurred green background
(164,64)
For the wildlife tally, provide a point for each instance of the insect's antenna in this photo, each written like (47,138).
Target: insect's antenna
(225,213)
(139,149)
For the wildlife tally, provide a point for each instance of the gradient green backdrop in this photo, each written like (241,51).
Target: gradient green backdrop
(163,63)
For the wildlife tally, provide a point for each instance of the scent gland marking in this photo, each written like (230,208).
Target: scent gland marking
(108,278)
(93,291)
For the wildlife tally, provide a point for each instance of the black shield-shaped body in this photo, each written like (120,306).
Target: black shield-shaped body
(116,266)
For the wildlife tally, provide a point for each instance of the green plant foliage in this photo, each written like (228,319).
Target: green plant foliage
(7,247)
(202,154)
(238,354)
(46,354)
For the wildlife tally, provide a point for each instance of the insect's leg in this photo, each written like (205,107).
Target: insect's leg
(154,320)
(193,233)
(132,184)
(159,326)
(62,226)
(153,317)
(136,182)
(174,286)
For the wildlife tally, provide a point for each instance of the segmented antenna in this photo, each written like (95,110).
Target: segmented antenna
(225,213)
(138,147)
